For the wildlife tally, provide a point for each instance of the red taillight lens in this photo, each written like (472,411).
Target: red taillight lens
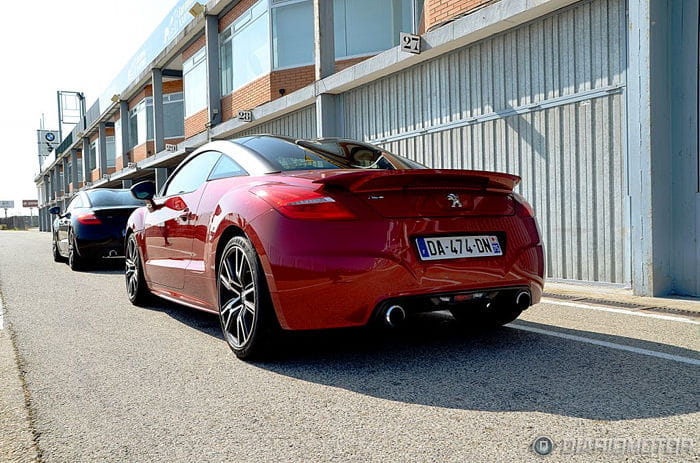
(301,203)
(523,208)
(89,218)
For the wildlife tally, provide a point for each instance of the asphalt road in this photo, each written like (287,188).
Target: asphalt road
(86,376)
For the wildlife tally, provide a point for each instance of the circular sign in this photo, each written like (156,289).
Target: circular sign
(50,136)
(543,445)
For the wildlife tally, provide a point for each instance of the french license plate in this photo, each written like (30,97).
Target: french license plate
(457,247)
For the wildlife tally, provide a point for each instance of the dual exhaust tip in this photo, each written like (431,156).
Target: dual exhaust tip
(395,315)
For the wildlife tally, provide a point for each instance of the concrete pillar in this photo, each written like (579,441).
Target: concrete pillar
(324,40)
(74,170)
(87,168)
(102,148)
(650,179)
(211,32)
(54,183)
(47,188)
(161,177)
(124,121)
(127,183)
(66,179)
(328,114)
(158,124)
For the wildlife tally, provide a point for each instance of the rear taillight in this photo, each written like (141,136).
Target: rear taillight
(301,203)
(522,207)
(88,218)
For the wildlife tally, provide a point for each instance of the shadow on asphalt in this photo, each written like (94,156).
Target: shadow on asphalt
(432,361)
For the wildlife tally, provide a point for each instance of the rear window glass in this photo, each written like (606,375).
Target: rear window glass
(108,198)
(327,154)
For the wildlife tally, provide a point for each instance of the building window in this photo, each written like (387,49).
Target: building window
(80,170)
(118,148)
(174,115)
(362,27)
(365,27)
(92,155)
(293,34)
(141,122)
(111,151)
(245,48)
(194,72)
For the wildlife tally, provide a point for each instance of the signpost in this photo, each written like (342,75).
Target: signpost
(7,205)
(30,204)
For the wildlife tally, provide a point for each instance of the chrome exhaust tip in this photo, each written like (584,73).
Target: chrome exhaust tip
(522,300)
(394,316)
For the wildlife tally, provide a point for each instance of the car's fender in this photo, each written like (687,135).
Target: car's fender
(136,220)
(240,213)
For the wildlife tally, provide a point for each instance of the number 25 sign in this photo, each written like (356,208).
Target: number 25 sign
(410,42)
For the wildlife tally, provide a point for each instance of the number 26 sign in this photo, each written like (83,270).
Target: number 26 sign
(410,42)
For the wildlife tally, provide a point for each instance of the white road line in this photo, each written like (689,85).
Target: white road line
(611,345)
(547,300)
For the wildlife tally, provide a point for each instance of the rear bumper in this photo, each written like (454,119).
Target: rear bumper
(327,275)
(104,247)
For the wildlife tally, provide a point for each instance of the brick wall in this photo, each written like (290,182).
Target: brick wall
(266,88)
(141,152)
(196,123)
(172,86)
(234,13)
(437,11)
(194,47)
(290,80)
(246,97)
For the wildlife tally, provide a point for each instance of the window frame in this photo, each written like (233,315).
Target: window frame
(199,58)
(181,167)
(244,173)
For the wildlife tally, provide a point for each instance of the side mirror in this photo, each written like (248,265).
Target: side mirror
(145,191)
(55,210)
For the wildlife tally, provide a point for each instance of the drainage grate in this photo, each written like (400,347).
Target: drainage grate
(624,305)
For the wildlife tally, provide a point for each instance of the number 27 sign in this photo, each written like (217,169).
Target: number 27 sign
(410,42)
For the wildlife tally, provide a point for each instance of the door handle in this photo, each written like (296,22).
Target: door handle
(185,215)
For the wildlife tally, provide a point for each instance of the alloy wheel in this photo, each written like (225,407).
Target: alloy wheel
(237,296)
(132,269)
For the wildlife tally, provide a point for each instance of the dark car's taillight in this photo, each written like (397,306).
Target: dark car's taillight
(88,218)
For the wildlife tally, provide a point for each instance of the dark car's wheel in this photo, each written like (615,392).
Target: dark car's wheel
(75,261)
(57,257)
(136,287)
(245,311)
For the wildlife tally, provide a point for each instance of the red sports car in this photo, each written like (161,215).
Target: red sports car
(271,232)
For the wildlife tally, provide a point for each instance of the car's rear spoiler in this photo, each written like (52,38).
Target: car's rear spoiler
(373,180)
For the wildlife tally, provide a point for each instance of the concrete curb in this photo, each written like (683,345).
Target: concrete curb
(620,297)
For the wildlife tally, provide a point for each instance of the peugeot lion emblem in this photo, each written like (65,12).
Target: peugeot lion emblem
(455,200)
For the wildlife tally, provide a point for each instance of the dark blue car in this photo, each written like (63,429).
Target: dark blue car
(92,226)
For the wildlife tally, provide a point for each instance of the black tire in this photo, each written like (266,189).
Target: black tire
(247,317)
(57,257)
(75,261)
(136,287)
(481,317)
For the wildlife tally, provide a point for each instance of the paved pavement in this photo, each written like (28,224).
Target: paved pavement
(101,380)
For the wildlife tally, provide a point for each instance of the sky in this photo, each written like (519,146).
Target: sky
(75,45)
